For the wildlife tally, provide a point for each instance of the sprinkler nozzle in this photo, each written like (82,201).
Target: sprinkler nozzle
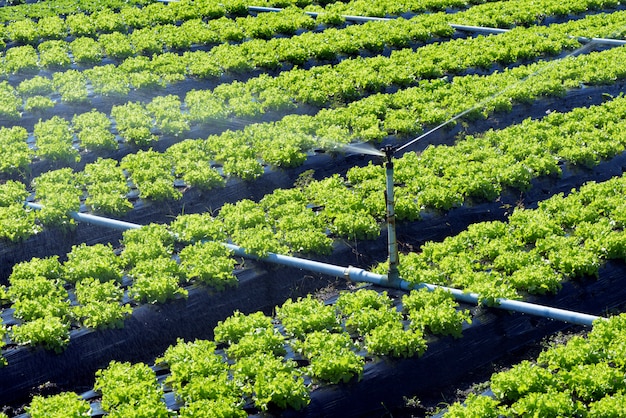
(388,150)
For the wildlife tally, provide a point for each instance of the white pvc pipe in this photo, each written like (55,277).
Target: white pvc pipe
(94,220)
(523,307)
(266,9)
(603,41)
(360,275)
(478,29)
(581,39)
(315,14)
(98,220)
(353,273)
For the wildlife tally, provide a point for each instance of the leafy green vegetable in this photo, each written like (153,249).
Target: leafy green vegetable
(66,404)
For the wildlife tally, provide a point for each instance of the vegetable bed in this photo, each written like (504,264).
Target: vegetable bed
(210,122)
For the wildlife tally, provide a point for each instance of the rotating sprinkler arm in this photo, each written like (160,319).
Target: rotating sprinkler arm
(393,276)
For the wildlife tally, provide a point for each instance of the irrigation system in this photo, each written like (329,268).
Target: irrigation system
(390,280)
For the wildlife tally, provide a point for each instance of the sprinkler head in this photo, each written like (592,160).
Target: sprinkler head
(388,150)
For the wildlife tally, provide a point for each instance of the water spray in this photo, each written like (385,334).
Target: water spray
(588,45)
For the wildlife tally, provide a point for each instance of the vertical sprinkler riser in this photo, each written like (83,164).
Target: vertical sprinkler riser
(393,276)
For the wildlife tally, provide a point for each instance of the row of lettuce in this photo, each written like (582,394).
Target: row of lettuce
(58,19)
(257,362)
(584,377)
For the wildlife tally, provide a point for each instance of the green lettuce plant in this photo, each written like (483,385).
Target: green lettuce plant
(65,404)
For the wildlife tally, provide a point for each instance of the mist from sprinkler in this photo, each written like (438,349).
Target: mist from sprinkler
(484,102)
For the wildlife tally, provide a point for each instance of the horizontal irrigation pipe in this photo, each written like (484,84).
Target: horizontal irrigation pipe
(464,28)
(360,275)
(315,14)
(94,220)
